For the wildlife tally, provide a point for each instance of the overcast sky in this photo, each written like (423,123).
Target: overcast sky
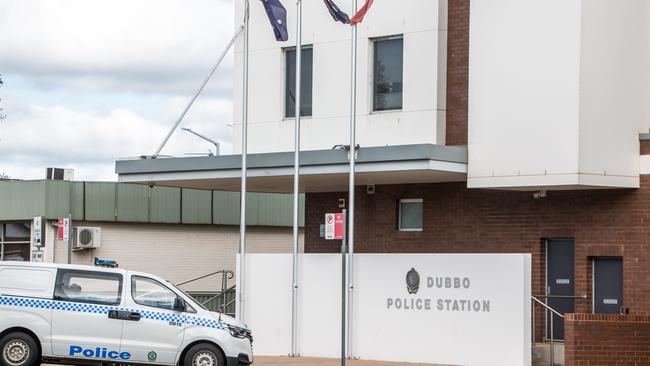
(90,81)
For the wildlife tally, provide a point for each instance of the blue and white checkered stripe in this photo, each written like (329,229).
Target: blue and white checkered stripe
(202,322)
(101,309)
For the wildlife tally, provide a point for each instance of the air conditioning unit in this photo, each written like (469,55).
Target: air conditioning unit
(87,237)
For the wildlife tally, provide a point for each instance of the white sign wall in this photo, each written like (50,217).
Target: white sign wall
(459,309)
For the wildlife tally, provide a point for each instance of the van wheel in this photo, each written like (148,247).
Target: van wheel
(204,354)
(18,349)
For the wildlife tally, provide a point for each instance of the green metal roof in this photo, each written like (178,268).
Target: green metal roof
(123,202)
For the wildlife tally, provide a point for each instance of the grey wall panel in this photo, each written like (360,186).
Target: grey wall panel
(132,203)
(22,200)
(196,206)
(100,201)
(262,209)
(226,208)
(77,200)
(57,203)
(165,205)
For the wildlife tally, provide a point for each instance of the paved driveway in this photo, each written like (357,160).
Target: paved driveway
(305,361)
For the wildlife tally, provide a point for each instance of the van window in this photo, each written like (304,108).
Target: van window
(88,287)
(149,292)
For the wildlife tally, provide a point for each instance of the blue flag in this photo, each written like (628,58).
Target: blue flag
(278,17)
(336,12)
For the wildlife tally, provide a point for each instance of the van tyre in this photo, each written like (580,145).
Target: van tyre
(18,349)
(204,354)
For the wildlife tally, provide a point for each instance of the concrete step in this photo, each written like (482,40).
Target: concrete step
(542,354)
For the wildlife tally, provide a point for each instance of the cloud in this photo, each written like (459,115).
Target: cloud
(90,142)
(88,82)
(126,45)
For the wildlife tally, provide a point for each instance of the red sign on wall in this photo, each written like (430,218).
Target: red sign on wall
(63,231)
(334,226)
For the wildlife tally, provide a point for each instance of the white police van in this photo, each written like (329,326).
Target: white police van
(94,316)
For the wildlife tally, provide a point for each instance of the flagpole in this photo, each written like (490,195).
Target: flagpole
(296,180)
(352,151)
(244,150)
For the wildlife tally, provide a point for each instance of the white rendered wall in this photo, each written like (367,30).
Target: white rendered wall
(614,93)
(384,331)
(558,93)
(422,120)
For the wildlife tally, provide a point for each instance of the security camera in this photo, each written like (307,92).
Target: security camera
(540,194)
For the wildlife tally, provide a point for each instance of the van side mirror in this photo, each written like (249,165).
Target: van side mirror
(179,304)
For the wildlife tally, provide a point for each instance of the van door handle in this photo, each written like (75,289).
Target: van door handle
(124,315)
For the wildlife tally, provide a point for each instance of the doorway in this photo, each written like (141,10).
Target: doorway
(560,286)
(608,285)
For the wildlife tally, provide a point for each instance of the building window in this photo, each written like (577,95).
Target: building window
(388,61)
(305,82)
(15,242)
(410,214)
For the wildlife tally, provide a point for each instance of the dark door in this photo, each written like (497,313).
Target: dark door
(608,285)
(559,283)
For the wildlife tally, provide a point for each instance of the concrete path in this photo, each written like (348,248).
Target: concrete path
(306,361)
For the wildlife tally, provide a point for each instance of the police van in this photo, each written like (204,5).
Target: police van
(98,316)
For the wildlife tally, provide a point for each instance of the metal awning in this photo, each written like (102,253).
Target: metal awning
(321,170)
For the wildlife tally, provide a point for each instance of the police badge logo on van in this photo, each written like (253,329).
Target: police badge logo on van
(152,356)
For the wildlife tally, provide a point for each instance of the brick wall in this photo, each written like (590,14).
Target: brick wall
(644,147)
(607,340)
(457,71)
(612,222)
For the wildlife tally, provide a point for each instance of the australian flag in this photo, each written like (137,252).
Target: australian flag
(278,17)
(336,12)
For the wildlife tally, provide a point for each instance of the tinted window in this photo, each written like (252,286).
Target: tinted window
(149,292)
(15,252)
(410,214)
(18,232)
(305,82)
(88,287)
(387,74)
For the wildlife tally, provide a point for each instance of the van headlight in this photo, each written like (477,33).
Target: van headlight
(238,332)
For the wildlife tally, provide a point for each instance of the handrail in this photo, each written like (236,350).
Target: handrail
(223,293)
(552,339)
(229,274)
(583,296)
(225,276)
(547,307)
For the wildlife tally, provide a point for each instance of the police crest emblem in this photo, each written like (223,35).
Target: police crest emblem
(412,281)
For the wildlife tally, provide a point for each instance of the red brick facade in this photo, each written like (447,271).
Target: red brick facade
(644,147)
(457,71)
(612,222)
(607,340)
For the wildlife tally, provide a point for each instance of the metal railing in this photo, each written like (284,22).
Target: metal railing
(223,297)
(552,337)
(220,297)
(536,299)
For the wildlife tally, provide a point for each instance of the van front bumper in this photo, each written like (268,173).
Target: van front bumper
(241,360)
